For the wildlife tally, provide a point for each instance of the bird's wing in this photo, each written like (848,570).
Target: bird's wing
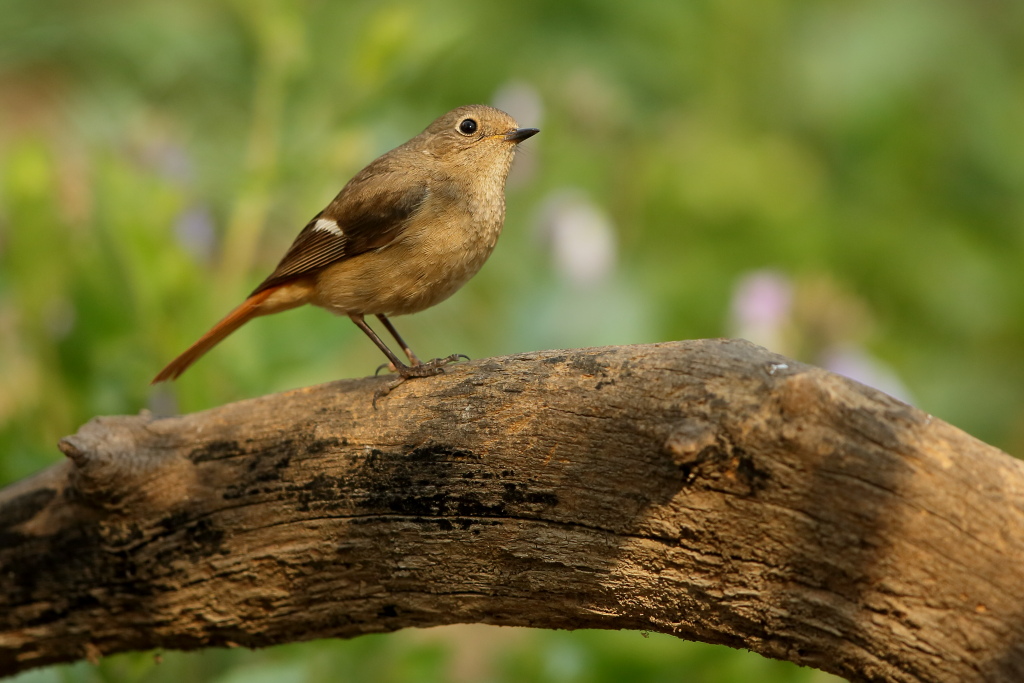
(368,214)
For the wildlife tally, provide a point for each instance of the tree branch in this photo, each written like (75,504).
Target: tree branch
(707,489)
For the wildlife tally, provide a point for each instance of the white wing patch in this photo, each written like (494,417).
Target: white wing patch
(327,225)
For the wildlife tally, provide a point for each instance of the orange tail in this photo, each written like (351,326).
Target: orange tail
(287,296)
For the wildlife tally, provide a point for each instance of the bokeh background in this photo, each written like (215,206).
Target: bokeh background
(841,181)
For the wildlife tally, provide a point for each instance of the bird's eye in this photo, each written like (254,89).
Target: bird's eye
(467,126)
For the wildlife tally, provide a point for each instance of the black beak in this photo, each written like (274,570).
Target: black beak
(520,134)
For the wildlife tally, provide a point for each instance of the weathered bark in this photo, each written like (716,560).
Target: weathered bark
(707,489)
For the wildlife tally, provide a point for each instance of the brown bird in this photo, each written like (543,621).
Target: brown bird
(404,234)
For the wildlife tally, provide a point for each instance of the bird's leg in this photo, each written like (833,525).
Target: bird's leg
(400,367)
(413,360)
(404,371)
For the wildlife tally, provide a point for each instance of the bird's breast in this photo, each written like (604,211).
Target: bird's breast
(444,246)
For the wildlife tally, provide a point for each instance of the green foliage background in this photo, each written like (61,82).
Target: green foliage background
(157,157)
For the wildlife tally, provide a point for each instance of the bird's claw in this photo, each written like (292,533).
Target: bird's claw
(428,369)
(433,367)
(385,390)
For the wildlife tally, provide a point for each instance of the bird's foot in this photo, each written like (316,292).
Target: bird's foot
(436,366)
(419,369)
(428,369)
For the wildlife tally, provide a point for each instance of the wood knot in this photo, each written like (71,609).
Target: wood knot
(113,458)
(73,450)
(689,440)
(701,450)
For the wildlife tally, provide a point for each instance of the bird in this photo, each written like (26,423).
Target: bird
(402,235)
